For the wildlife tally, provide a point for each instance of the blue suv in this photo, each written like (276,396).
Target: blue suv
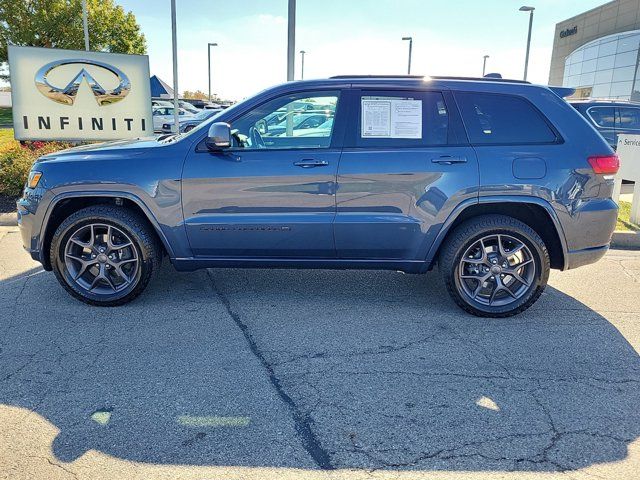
(494,181)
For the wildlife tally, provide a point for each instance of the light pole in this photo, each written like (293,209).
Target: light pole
(410,48)
(484,64)
(85,25)
(209,45)
(526,58)
(174,48)
(291,40)
(302,52)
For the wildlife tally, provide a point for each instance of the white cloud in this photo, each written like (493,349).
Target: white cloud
(268,19)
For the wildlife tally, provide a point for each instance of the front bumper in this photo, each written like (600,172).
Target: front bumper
(29,227)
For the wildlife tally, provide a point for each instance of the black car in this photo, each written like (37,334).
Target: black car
(610,118)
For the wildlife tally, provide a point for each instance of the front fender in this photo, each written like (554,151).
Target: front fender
(167,224)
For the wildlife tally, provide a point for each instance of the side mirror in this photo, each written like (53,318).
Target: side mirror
(219,136)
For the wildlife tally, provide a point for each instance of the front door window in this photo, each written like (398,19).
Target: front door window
(292,121)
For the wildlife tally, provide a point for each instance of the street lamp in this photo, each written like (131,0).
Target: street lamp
(410,39)
(484,64)
(526,58)
(302,52)
(209,45)
(291,40)
(174,53)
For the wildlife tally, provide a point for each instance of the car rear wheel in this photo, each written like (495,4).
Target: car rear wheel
(104,255)
(494,266)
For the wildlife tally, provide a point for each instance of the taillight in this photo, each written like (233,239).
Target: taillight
(605,164)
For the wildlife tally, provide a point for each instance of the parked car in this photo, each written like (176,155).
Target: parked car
(188,107)
(162,115)
(204,104)
(323,130)
(494,181)
(187,124)
(161,103)
(299,121)
(610,118)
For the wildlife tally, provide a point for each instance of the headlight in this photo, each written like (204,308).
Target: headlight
(34,178)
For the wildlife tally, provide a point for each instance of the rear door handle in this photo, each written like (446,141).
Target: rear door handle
(448,159)
(310,163)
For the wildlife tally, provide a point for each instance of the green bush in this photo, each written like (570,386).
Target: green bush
(16,162)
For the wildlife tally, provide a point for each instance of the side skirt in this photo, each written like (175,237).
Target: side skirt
(190,264)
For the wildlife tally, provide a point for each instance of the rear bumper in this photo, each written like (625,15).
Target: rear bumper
(588,231)
(578,258)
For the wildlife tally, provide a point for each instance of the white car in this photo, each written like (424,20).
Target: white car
(165,114)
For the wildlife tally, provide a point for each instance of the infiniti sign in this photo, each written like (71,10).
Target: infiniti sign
(66,95)
(79,95)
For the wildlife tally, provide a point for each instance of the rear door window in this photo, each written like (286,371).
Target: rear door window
(394,118)
(496,119)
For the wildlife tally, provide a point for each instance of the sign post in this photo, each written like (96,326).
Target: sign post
(629,152)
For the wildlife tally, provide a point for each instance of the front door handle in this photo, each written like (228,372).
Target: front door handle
(310,163)
(449,159)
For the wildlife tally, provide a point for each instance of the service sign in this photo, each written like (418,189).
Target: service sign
(78,95)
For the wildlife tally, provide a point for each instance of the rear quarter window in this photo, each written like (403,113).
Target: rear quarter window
(496,119)
(628,118)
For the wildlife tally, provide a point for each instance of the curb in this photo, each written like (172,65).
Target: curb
(9,219)
(629,240)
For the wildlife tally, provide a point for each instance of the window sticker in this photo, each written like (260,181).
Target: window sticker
(385,117)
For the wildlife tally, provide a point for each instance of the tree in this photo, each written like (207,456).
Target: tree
(58,24)
(197,95)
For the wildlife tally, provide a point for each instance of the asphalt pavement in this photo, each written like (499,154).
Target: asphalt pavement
(270,374)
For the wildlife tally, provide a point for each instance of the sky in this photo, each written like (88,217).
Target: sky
(450,37)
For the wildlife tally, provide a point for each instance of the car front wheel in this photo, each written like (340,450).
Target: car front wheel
(494,266)
(104,255)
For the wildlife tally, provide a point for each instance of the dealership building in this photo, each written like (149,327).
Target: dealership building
(598,52)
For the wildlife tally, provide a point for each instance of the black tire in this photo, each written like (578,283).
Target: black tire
(148,252)
(467,235)
(188,128)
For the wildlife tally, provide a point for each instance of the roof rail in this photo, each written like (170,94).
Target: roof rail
(379,76)
(435,77)
(479,79)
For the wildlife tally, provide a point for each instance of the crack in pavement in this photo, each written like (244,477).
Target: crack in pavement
(380,350)
(55,464)
(303,423)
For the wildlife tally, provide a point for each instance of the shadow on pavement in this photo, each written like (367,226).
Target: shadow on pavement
(318,369)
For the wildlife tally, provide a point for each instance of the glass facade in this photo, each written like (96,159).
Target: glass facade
(606,67)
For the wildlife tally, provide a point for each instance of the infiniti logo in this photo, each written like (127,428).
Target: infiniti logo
(67,95)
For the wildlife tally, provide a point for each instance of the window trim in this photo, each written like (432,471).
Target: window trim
(337,134)
(558,141)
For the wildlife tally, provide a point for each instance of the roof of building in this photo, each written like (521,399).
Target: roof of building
(159,87)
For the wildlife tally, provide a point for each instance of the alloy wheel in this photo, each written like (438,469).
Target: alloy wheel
(101,259)
(496,270)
